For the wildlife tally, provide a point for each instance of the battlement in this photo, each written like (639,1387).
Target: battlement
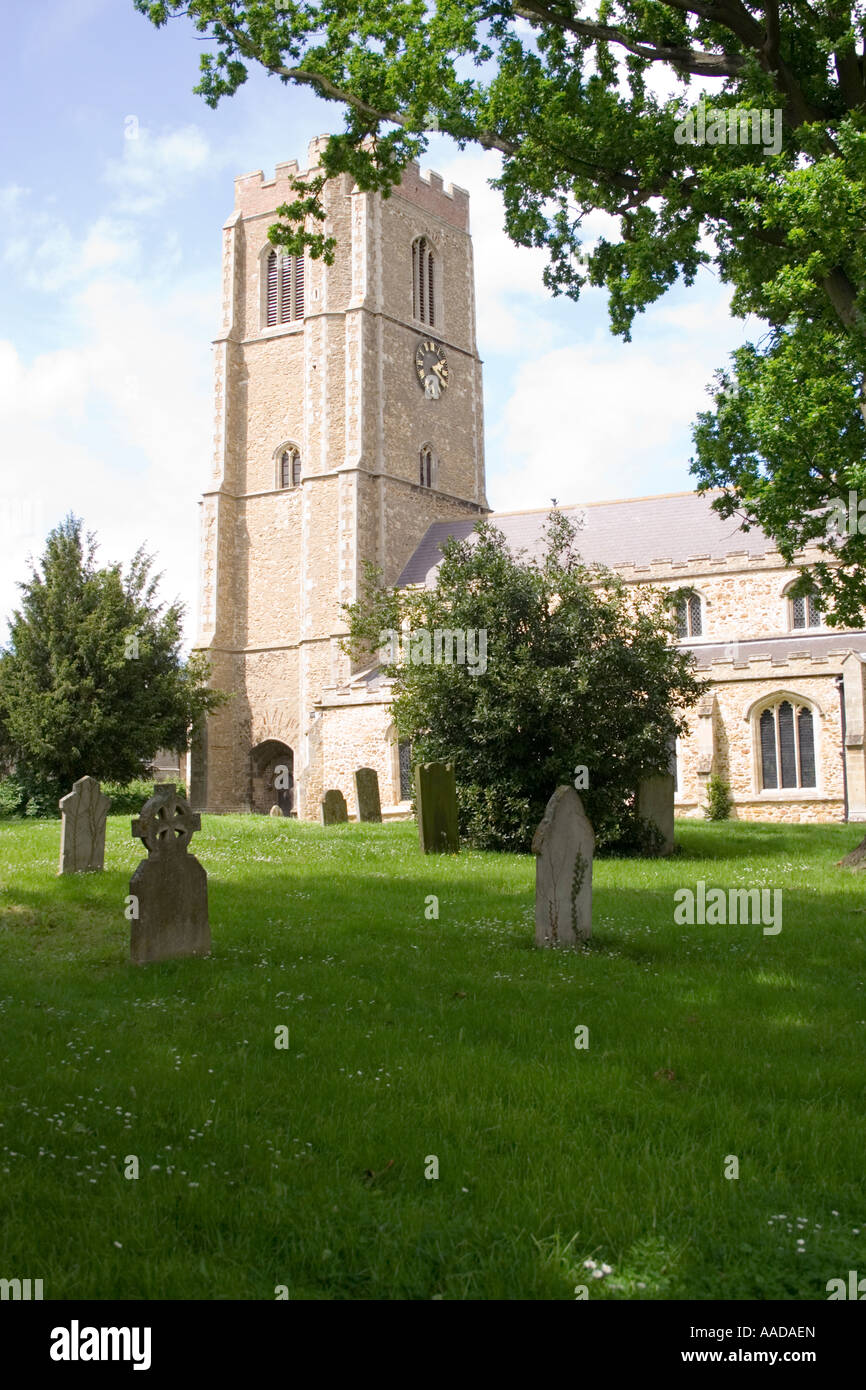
(254,194)
(427,190)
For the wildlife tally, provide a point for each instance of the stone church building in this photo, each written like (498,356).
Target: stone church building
(349,427)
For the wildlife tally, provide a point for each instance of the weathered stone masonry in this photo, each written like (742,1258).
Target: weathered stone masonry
(340,386)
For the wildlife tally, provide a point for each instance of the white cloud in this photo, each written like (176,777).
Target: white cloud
(595,418)
(11,196)
(603,419)
(508,283)
(45,253)
(56,258)
(115,430)
(154,168)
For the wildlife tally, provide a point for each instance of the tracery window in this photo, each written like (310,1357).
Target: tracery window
(787,746)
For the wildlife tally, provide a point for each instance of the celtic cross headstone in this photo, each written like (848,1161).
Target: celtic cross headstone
(169,888)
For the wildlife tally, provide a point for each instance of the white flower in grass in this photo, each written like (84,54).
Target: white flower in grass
(607,1269)
(597,1274)
(589,1264)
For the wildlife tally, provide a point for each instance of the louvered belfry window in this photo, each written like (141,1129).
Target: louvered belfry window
(787,737)
(273,290)
(285,288)
(423,282)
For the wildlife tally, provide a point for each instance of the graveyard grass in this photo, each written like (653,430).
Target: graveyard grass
(411,1037)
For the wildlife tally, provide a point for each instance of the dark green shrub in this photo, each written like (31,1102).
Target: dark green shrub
(93,680)
(127,798)
(13,797)
(576,671)
(718,798)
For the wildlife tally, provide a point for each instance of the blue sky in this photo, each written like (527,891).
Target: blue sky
(115,182)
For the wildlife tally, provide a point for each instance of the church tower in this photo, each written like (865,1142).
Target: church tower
(348,418)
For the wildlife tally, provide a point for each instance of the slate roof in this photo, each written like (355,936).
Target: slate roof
(676,527)
(816,646)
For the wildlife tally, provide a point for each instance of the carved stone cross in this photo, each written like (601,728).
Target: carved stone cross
(166,821)
(168,891)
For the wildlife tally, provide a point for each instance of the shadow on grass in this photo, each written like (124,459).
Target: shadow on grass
(754,839)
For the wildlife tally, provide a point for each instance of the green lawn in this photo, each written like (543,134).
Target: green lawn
(412,1037)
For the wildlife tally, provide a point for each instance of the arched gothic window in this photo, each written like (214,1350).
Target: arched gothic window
(285,288)
(290,467)
(787,746)
(424,282)
(404,754)
(806,611)
(689,616)
(426,466)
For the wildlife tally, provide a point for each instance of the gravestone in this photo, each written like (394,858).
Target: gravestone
(275,811)
(169,887)
(82,828)
(367,793)
(436,808)
(655,803)
(563,844)
(334,808)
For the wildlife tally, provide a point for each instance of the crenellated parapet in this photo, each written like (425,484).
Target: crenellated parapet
(255,195)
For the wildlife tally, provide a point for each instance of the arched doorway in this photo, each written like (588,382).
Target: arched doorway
(272,777)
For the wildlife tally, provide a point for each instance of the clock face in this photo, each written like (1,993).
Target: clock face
(431,368)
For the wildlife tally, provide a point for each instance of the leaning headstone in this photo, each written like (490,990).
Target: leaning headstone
(367,793)
(169,887)
(563,844)
(334,808)
(82,828)
(436,808)
(655,803)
